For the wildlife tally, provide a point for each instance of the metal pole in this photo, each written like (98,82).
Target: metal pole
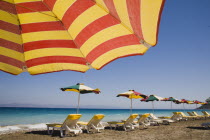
(183,107)
(78,104)
(131,105)
(171,105)
(153,107)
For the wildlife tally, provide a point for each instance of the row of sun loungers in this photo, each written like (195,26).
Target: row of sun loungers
(73,126)
(193,115)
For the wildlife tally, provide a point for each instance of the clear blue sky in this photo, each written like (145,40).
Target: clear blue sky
(178,66)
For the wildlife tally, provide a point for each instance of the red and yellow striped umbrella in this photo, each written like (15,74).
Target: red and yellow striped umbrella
(132,94)
(171,99)
(42,36)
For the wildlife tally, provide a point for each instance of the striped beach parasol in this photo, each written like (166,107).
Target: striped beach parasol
(153,98)
(132,94)
(196,102)
(172,99)
(81,89)
(184,101)
(43,36)
(167,99)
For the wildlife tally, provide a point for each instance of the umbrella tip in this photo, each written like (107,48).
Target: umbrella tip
(97,91)
(62,89)
(80,84)
(131,90)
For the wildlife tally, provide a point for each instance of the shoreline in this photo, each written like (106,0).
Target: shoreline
(8,129)
(182,130)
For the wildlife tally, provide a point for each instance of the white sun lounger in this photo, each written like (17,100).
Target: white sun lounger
(94,125)
(69,125)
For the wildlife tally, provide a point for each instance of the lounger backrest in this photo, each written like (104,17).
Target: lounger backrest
(205,113)
(196,114)
(175,117)
(183,115)
(153,116)
(191,114)
(131,118)
(180,113)
(143,117)
(175,113)
(71,120)
(96,119)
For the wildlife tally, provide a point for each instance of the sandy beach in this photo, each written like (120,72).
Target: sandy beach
(184,130)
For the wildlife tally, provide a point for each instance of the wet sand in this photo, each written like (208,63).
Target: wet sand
(184,130)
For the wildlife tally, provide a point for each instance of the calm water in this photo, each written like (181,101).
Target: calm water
(14,116)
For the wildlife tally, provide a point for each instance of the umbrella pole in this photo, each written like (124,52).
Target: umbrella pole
(153,107)
(78,104)
(131,106)
(183,107)
(171,105)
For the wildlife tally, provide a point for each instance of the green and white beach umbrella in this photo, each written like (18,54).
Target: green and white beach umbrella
(81,89)
(153,98)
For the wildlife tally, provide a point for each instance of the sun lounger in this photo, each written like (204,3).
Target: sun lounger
(188,117)
(155,119)
(176,117)
(165,117)
(161,121)
(126,125)
(199,116)
(185,117)
(142,121)
(205,113)
(69,125)
(94,125)
(192,114)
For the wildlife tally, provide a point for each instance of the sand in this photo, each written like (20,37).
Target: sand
(184,130)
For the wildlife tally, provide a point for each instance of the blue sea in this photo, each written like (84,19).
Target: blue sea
(12,118)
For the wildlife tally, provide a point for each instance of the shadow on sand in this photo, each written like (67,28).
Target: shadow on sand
(56,133)
(199,128)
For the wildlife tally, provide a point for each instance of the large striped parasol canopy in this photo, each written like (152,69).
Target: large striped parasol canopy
(43,36)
